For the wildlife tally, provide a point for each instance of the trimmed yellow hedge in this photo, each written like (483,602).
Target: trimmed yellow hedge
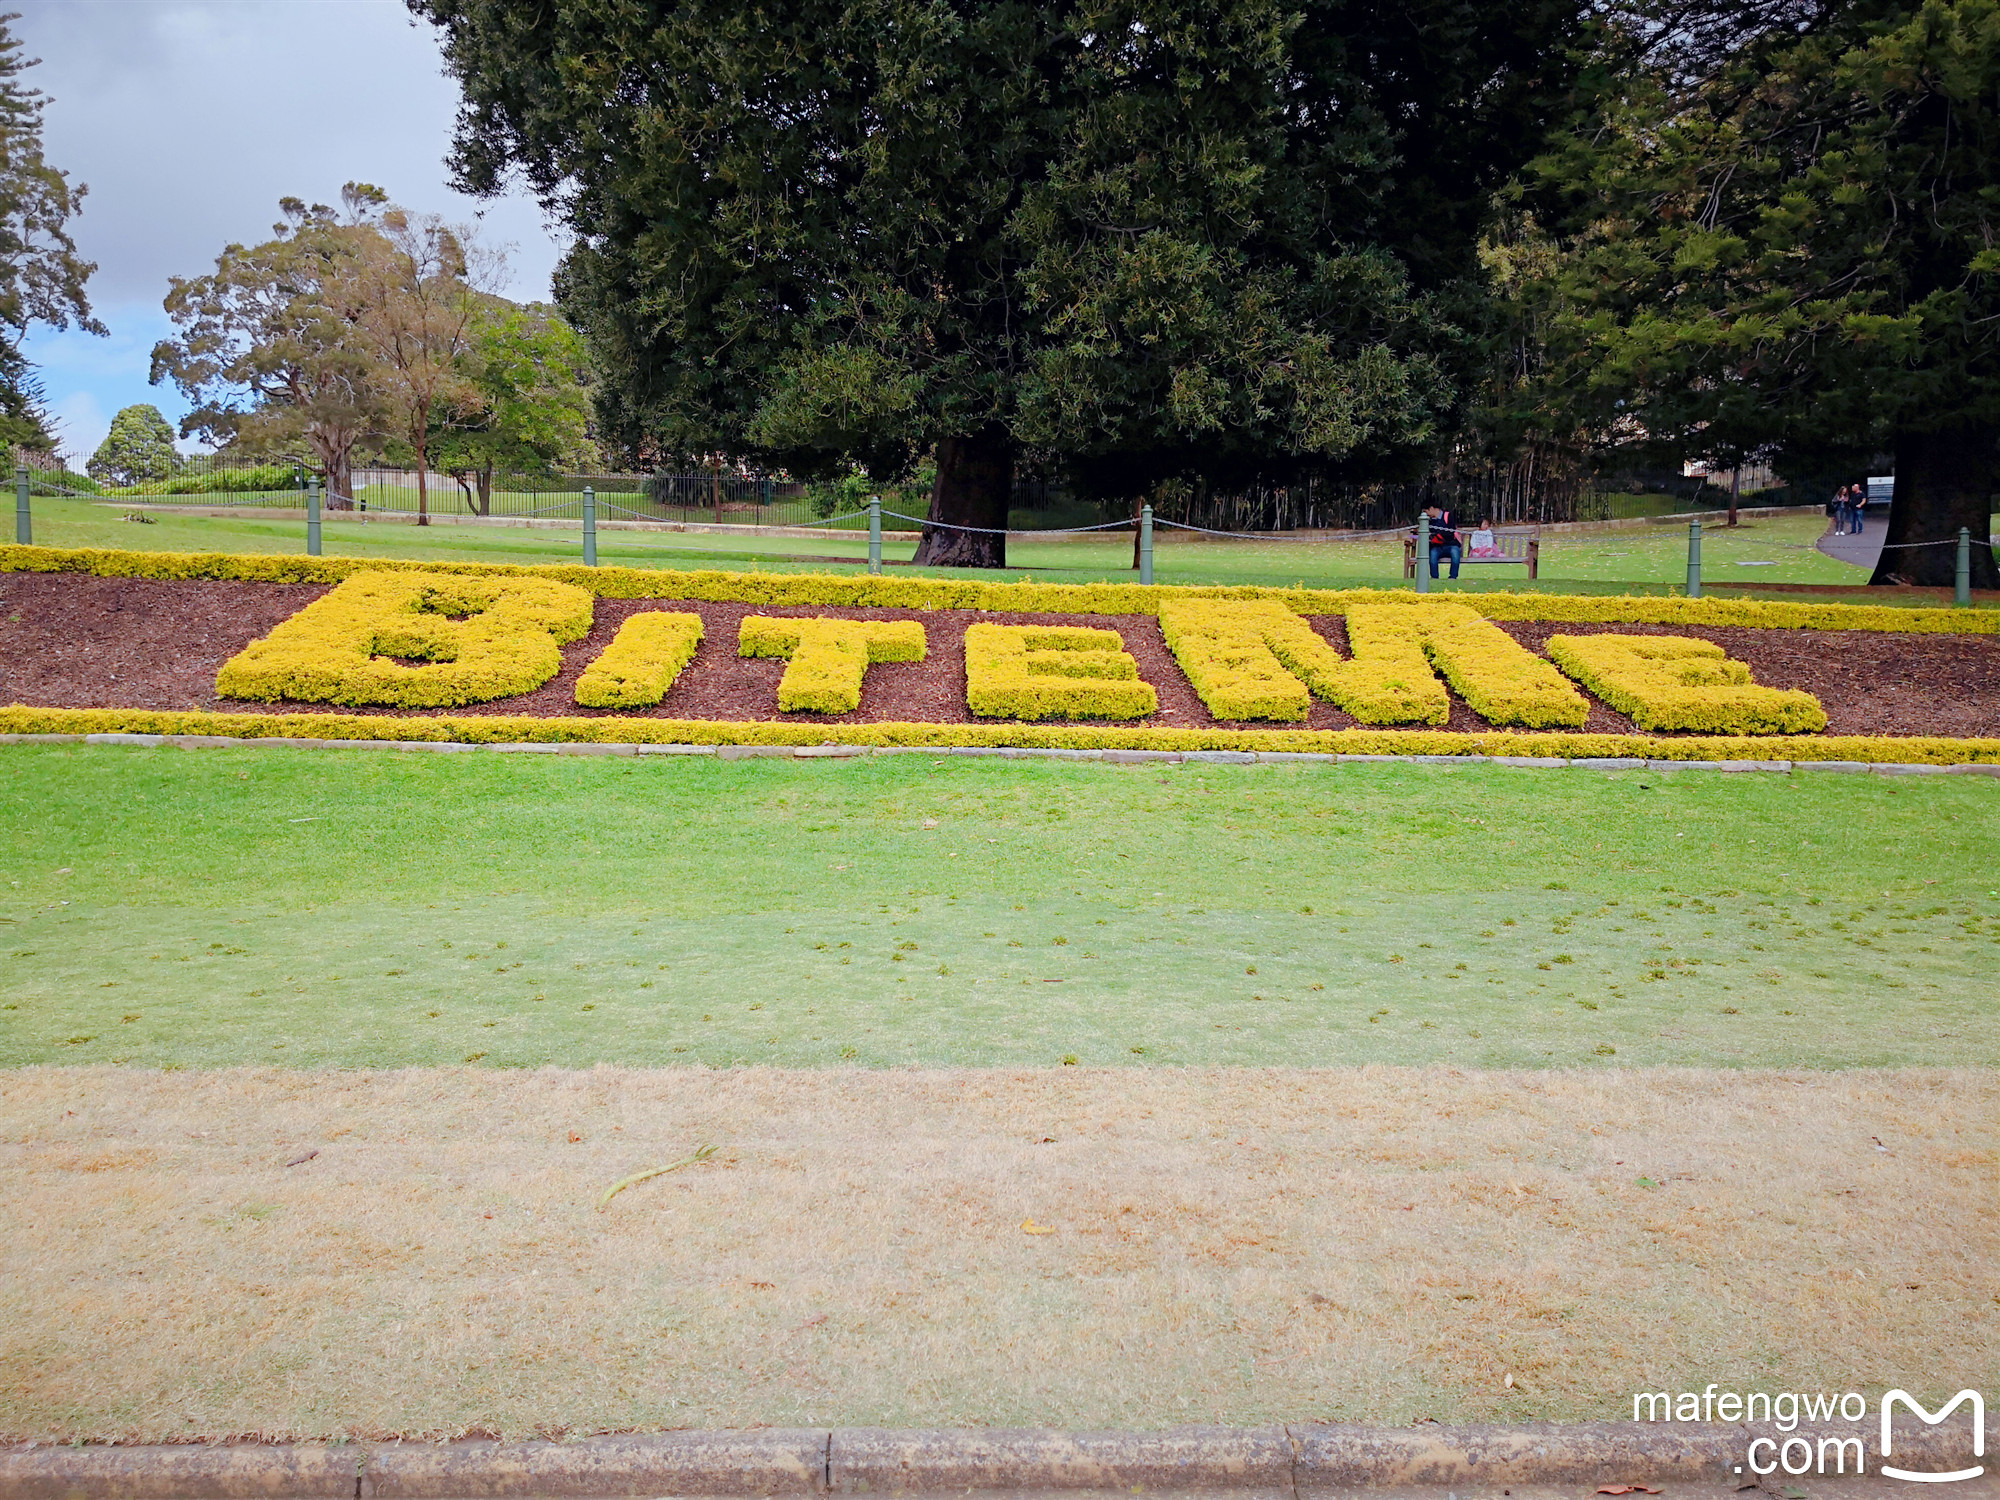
(829,658)
(476,638)
(641,662)
(1675,682)
(1503,681)
(1390,680)
(820,589)
(1053,672)
(1224,648)
(524,729)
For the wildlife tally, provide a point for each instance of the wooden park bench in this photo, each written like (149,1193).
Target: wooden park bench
(1520,547)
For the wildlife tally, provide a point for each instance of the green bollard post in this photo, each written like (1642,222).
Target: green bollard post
(1961,590)
(1423,552)
(874,533)
(24,521)
(1694,560)
(589,527)
(312,516)
(1145,544)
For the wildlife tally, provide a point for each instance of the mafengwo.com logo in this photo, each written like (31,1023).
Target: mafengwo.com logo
(1798,1453)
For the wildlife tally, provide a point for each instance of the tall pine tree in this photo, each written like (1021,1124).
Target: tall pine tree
(1782,234)
(1134,239)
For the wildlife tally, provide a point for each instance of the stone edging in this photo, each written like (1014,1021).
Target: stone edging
(1294,1462)
(985,752)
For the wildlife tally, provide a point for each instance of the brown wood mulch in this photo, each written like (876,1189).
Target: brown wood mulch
(73,641)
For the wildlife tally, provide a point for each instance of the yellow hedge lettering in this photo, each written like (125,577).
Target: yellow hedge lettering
(829,658)
(1258,661)
(1502,680)
(1674,682)
(416,640)
(641,662)
(1053,672)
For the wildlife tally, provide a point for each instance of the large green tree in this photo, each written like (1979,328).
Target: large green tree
(1782,235)
(1140,238)
(41,275)
(270,348)
(531,373)
(138,448)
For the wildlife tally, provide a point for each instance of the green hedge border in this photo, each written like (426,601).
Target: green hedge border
(510,729)
(865,591)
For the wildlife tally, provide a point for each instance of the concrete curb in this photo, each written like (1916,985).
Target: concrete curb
(1295,1462)
(1007,752)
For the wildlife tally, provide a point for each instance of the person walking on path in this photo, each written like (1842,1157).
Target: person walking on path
(1842,513)
(1444,540)
(1858,510)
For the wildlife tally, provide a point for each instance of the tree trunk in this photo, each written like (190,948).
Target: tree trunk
(1735,479)
(340,479)
(334,459)
(486,490)
(1944,480)
(423,473)
(975,485)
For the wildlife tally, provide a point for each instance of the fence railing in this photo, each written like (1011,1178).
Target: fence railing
(726,499)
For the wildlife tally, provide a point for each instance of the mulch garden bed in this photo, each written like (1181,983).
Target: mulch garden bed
(74,641)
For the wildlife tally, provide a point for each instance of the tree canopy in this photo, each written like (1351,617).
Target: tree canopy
(351,328)
(268,350)
(139,447)
(1781,235)
(1133,240)
(532,377)
(41,275)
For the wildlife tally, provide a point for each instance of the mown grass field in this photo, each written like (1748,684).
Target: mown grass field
(368,909)
(1398,1092)
(1612,560)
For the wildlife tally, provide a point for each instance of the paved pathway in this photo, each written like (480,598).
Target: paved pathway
(1862,550)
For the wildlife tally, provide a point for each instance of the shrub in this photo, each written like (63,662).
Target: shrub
(1673,682)
(261,479)
(829,658)
(501,729)
(1053,672)
(1503,681)
(472,638)
(1390,680)
(1257,660)
(1228,653)
(641,662)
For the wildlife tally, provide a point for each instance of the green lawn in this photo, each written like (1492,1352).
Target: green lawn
(1627,559)
(199,909)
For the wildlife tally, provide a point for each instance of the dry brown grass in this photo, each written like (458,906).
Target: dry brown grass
(1234,1246)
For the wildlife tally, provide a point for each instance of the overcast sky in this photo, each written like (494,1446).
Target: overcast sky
(190,119)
